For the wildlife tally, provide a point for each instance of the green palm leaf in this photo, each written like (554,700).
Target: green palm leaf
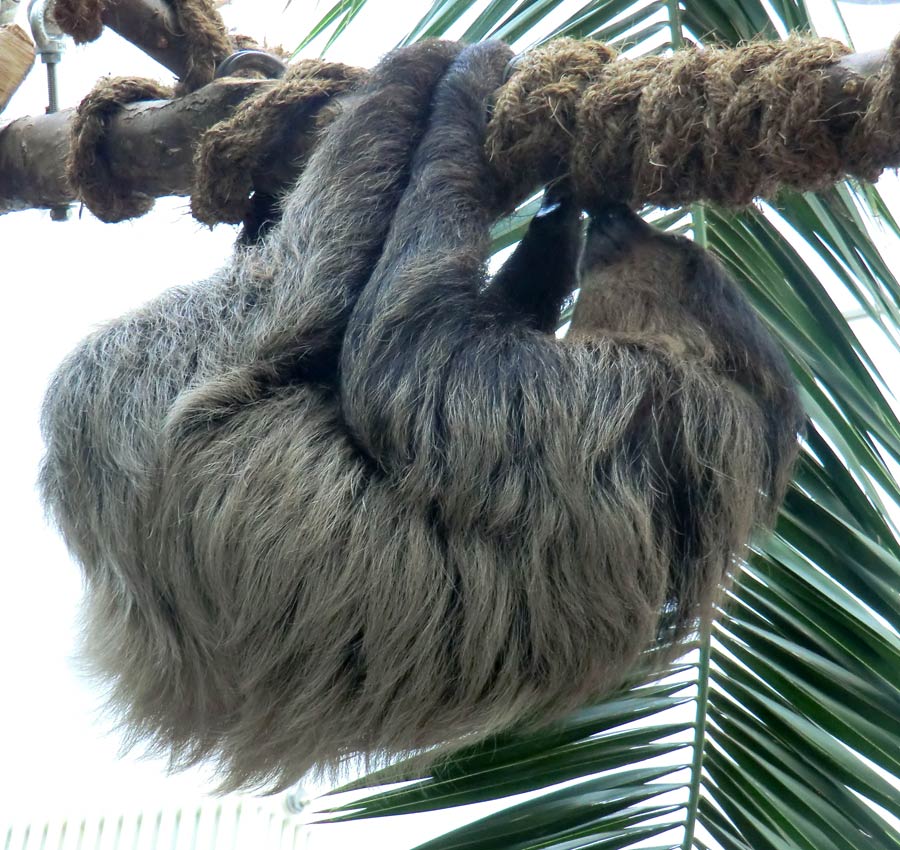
(782,730)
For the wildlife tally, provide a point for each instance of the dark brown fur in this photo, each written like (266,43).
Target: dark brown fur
(727,409)
(344,499)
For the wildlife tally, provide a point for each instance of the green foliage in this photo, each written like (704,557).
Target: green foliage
(782,730)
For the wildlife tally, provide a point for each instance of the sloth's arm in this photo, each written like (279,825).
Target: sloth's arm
(437,386)
(542,272)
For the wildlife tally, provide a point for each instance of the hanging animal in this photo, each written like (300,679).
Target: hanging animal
(351,497)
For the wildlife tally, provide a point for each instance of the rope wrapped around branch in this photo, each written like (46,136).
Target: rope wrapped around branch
(233,149)
(719,125)
(86,166)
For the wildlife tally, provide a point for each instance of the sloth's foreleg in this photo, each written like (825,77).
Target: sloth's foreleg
(534,283)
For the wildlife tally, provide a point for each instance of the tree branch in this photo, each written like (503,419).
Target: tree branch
(151,145)
(151,26)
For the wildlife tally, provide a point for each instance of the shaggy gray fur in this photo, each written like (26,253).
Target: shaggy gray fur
(343,499)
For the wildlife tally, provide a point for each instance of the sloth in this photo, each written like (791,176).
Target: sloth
(352,498)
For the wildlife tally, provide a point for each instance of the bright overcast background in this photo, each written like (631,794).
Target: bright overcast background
(59,281)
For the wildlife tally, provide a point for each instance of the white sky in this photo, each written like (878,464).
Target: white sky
(59,281)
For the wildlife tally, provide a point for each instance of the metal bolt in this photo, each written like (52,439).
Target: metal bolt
(49,44)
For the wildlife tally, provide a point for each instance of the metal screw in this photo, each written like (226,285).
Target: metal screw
(49,44)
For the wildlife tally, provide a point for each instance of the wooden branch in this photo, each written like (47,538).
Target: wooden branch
(151,26)
(864,64)
(152,144)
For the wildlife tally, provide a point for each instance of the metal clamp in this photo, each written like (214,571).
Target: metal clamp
(252,60)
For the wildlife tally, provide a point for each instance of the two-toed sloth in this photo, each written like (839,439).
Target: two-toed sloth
(349,497)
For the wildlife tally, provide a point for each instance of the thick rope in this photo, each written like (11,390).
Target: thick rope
(205,30)
(81,19)
(87,166)
(535,113)
(234,149)
(720,125)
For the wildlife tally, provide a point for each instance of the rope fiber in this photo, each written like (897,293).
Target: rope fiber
(724,125)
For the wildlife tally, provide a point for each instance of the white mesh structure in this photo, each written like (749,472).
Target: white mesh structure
(211,825)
